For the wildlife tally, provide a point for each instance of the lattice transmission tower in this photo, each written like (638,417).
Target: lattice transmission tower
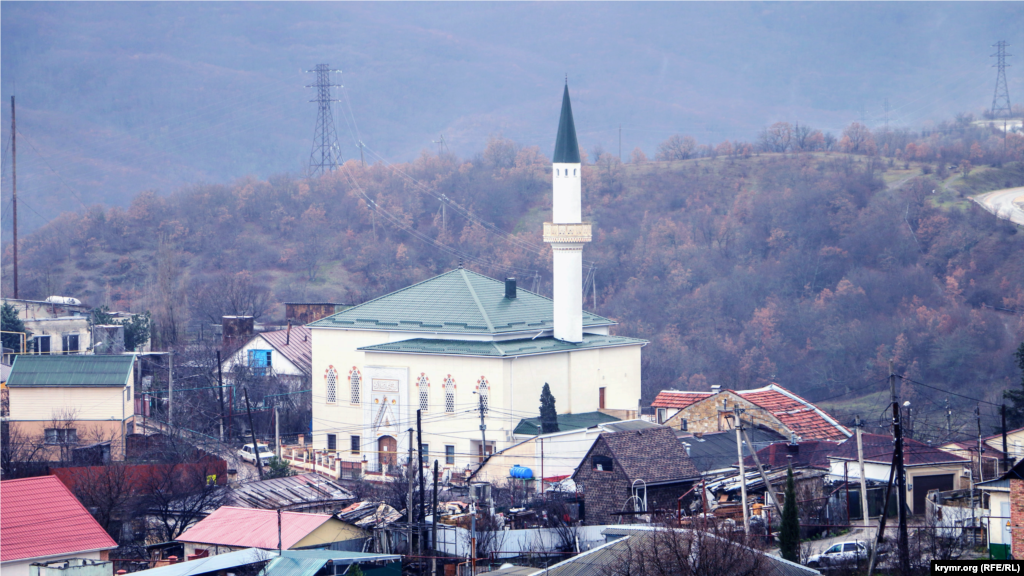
(326,153)
(1001,98)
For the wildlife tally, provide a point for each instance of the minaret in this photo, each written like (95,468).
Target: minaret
(567,233)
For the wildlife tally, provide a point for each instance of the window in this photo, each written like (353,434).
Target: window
(332,442)
(425,460)
(42,344)
(449,454)
(259,362)
(600,398)
(332,384)
(835,549)
(61,436)
(69,344)
(354,444)
(850,547)
(558,172)
(573,171)
(661,415)
(485,392)
(424,385)
(601,463)
(128,391)
(354,379)
(449,394)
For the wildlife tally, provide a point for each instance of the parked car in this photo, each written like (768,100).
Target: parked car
(841,554)
(248,454)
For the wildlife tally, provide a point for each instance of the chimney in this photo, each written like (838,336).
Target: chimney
(288,334)
(510,288)
(772,451)
(716,388)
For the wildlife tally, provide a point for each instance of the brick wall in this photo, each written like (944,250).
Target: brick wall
(1017,517)
(704,416)
(603,492)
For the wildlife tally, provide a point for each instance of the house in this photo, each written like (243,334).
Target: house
(229,529)
(461,345)
(531,427)
(1006,509)
(635,544)
(927,467)
(553,456)
(715,453)
(771,406)
(72,401)
(992,458)
(285,354)
(58,325)
(1014,444)
(43,522)
(633,471)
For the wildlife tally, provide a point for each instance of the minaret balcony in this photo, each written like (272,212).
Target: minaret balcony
(567,233)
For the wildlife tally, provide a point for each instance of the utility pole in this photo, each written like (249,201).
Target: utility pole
(981,450)
(220,389)
(880,536)
(252,431)
(411,479)
(13,180)
(433,527)
(483,429)
(279,547)
(277,434)
(863,481)
(1006,454)
(419,474)
(769,489)
(1001,97)
(170,389)
(326,154)
(949,420)
(901,474)
(362,161)
(743,474)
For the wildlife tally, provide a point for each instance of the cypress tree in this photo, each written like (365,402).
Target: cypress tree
(548,415)
(789,535)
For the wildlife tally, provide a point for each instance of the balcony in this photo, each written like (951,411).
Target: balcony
(567,233)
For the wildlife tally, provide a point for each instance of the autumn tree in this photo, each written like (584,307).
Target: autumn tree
(676,148)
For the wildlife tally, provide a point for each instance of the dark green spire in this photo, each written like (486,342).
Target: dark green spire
(567,149)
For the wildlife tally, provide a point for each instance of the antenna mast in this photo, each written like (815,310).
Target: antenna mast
(1001,98)
(14,197)
(326,154)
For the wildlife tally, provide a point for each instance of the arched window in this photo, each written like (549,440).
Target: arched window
(449,394)
(485,392)
(573,171)
(558,172)
(424,386)
(355,380)
(331,377)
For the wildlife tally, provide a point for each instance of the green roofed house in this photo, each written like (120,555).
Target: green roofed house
(461,342)
(70,402)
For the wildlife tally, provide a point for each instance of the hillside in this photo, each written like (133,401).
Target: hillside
(808,269)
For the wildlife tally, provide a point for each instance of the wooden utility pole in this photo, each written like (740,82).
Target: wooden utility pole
(1006,453)
(220,389)
(14,194)
(170,389)
(252,431)
(433,527)
(279,547)
(880,536)
(743,474)
(901,475)
(981,450)
(411,479)
(863,480)
(760,469)
(277,434)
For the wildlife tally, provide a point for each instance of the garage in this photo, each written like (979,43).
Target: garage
(923,484)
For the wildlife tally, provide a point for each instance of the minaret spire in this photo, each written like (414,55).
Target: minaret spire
(566,232)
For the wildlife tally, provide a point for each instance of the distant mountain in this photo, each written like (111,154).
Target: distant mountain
(117,98)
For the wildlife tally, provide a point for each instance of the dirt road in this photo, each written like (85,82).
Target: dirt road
(1007,204)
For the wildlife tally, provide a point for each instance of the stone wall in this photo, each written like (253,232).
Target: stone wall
(708,415)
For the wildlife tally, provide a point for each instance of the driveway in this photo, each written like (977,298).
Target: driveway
(1007,204)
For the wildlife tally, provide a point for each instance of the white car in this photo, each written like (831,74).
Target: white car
(249,455)
(841,554)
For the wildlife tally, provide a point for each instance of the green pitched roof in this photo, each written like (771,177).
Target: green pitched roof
(567,149)
(459,301)
(502,349)
(566,422)
(87,370)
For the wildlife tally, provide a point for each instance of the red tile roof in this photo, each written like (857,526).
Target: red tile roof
(252,528)
(805,419)
(678,399)
(878,448)
(43,518)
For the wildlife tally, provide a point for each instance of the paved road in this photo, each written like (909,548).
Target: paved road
(1007,204)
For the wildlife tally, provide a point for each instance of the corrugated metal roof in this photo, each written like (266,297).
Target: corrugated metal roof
(71,371)
(524,347)
(288,492)
(252,528)
(309,562)
(459,301)
(297,348)
(41,517)
(566,422)
(717,450)
(878,448)
(225,561)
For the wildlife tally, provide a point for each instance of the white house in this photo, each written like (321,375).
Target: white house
(284,353)
(462,343)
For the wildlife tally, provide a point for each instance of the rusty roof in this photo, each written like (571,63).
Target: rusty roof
(298,348)
(289,493)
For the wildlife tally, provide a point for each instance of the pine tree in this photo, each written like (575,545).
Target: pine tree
(1015,413)
(789,535)
(548,415)
(10,322)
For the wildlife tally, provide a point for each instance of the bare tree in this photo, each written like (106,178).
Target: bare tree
(61,435)
(709,549)
(238,294)
(20,454)
(182,490)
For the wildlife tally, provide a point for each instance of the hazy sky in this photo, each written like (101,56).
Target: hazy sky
(115,98)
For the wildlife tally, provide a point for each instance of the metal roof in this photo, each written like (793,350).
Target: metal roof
(567,149)
(309,562)
(566,422)
(297,348)
(225,561)
(717,450)
(253,528)
(71,371)
(291,493)
(459,301)
(505,349)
